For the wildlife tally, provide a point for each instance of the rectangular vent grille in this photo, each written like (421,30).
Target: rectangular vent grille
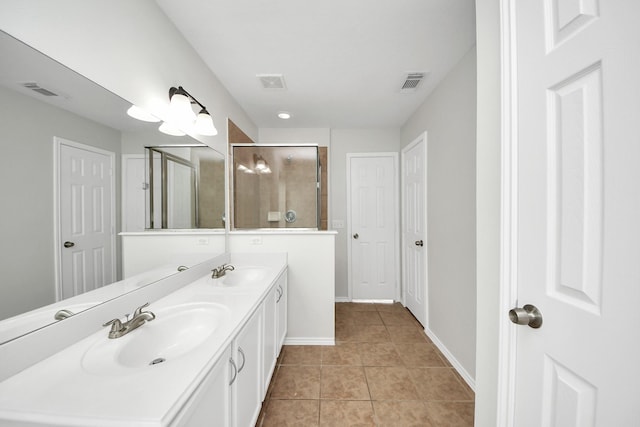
(272,81)
(412,81)
(36,88)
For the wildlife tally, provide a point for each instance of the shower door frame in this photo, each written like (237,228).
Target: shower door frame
(164,158)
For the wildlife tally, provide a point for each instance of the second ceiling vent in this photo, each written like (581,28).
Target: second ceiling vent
(272,81)
(412,82)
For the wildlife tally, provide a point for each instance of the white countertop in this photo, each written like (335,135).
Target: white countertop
(63,390)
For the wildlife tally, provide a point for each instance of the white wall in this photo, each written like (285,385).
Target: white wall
(310,299)
(26,175)
(345,141)
(129,48)
(320,136)
(488,210)
(449,117)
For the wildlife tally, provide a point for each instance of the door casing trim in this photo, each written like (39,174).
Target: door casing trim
(508,290)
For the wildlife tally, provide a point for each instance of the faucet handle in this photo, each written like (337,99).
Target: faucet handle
(116,324)
(139,309)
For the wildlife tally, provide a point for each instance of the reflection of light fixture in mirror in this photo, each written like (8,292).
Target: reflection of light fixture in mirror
(284,115)
(182,114)
(140,114)
(260,166)
(169,129)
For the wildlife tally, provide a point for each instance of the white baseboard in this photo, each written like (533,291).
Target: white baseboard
(454,362)
(343,299)
(309,341)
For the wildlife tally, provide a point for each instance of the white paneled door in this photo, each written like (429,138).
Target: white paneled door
(414,227)
(373,225)
(86,218)
(577,205)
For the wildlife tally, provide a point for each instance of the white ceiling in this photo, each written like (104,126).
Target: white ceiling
(343,61)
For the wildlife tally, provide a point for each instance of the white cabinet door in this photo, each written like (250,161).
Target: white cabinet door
(281,311)
(247,387)
(269,339)
(210,405)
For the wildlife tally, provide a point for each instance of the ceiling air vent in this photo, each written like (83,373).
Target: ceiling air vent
(272,81)
(412,82)
(36,88)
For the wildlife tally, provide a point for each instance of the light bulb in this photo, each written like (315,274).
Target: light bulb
(204,124)
(180,109)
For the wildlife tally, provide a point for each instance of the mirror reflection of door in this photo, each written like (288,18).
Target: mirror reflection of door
(86,203)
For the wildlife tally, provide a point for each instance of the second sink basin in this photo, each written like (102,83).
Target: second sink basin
(244,276)
(174,332)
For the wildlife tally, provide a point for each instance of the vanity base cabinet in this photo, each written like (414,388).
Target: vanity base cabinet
(210,404)
(247,386)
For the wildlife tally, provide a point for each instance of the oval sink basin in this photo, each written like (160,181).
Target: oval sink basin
(244,276)
(175,332)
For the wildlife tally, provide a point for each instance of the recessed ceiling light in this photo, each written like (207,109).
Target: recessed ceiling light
(284,115)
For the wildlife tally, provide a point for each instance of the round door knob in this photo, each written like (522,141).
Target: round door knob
(355,236)
(527,315)
(69,244)
(419,243)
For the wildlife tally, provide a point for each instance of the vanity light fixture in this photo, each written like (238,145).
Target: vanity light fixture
(284,115)
(183,116)
(140,114)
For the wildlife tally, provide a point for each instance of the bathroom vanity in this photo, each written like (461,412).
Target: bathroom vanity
(205,359)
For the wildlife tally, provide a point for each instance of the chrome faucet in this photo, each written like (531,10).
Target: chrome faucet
(221,271)
(139,318)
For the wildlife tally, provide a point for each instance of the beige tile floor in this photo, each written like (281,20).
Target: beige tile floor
(383,371)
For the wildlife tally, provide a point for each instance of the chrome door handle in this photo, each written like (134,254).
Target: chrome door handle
(527,315)
(419,243)
(69,244)
(355,236)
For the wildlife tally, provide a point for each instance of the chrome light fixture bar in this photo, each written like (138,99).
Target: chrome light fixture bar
(183,116)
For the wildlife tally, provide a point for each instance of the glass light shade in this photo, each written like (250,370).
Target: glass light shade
(139,114)
(261,164)
(284,115)
(170,129)
(180,109)
(204,124)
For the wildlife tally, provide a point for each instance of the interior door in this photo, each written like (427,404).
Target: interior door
(578,212)
(414,227)
(86,214)
(373,226)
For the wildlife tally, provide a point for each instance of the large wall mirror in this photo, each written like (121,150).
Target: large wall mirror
(45,107)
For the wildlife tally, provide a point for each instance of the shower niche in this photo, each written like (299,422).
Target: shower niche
(276,186)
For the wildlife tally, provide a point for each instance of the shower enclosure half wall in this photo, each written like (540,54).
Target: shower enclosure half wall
(276,186)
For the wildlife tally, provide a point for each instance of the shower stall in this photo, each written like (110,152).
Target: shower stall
(276,186)
(185,186)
